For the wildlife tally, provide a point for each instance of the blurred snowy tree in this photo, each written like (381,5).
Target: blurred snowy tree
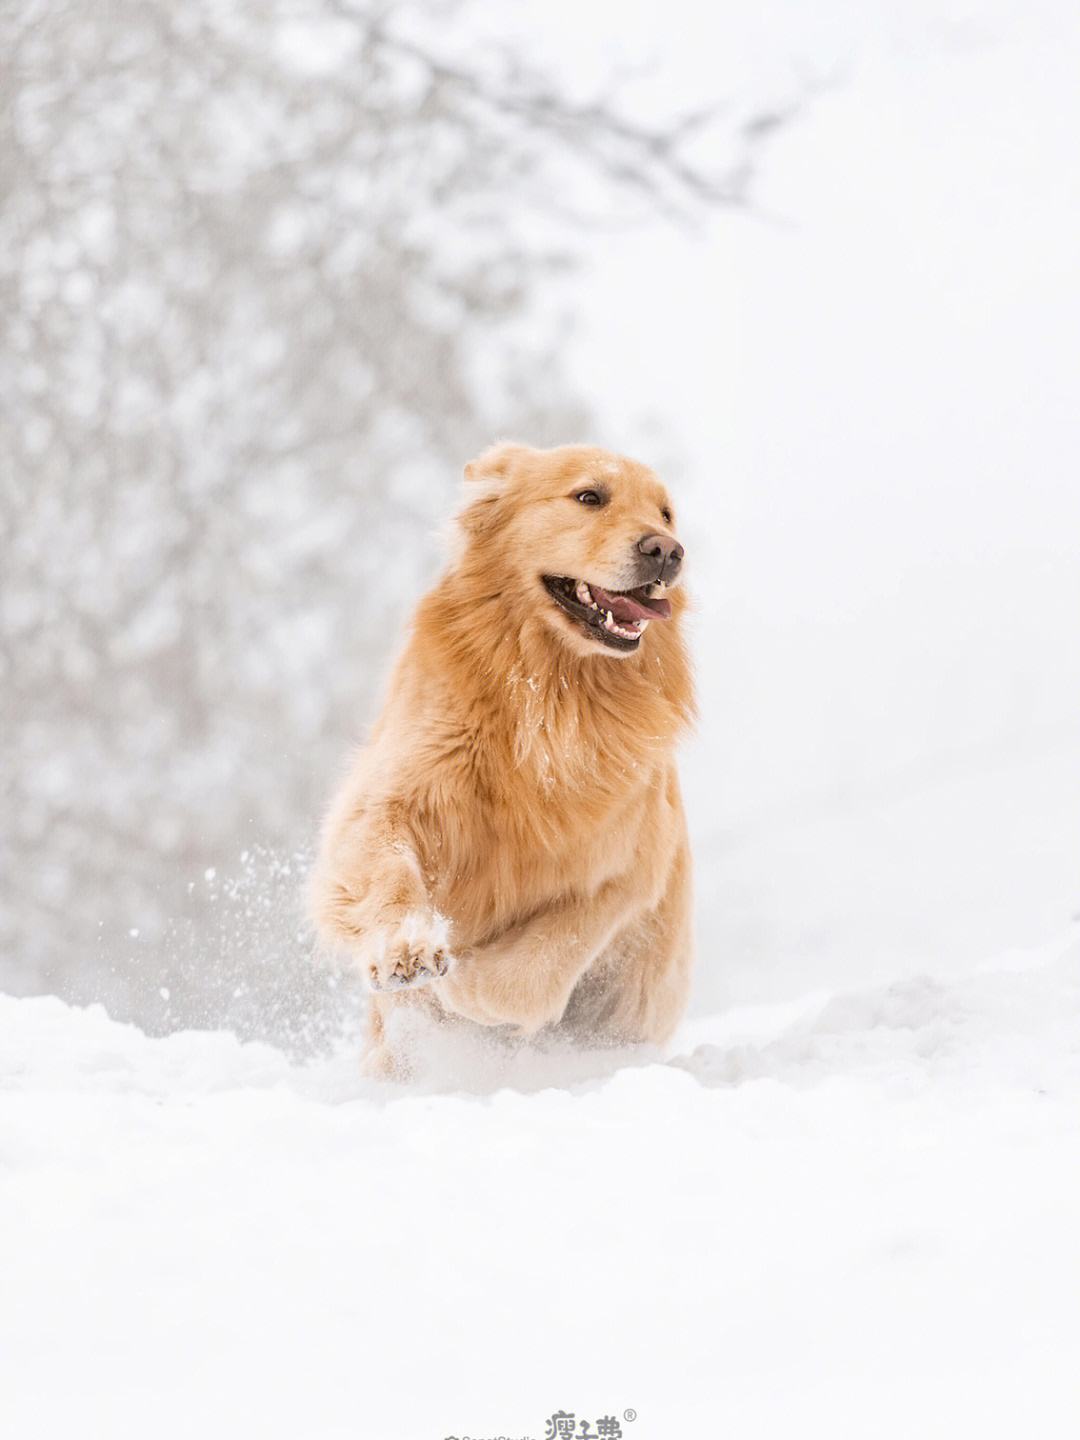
(268,279)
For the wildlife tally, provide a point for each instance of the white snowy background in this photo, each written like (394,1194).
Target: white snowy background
(845,1203)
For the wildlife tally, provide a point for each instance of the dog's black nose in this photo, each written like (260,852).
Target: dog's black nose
(666,551)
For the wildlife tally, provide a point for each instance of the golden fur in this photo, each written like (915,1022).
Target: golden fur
(513,833)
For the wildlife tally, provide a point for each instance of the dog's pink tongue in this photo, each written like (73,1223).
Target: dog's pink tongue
(631,607)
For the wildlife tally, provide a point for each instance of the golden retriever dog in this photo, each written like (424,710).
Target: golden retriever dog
(510,847)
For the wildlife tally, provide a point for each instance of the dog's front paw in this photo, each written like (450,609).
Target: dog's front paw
(462,993)
(410,954)
(490,988)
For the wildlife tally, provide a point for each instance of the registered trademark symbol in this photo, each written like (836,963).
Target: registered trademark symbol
(629,1414)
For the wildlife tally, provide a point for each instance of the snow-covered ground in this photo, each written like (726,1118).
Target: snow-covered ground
(851,1216)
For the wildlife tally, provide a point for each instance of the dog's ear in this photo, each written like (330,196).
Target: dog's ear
(493,467)
(487,478)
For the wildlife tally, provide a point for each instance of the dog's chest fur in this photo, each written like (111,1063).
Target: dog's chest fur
(521,798)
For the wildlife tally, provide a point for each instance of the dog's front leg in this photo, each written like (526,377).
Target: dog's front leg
(371,899)
(526,976)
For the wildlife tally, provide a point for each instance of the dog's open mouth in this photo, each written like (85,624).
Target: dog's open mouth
(617,618)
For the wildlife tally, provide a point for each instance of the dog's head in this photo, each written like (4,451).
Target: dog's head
(583,538)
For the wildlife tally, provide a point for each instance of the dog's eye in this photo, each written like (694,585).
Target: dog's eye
(589,497)
(666,513)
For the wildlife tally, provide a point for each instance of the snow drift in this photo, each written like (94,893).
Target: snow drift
(851,1215)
